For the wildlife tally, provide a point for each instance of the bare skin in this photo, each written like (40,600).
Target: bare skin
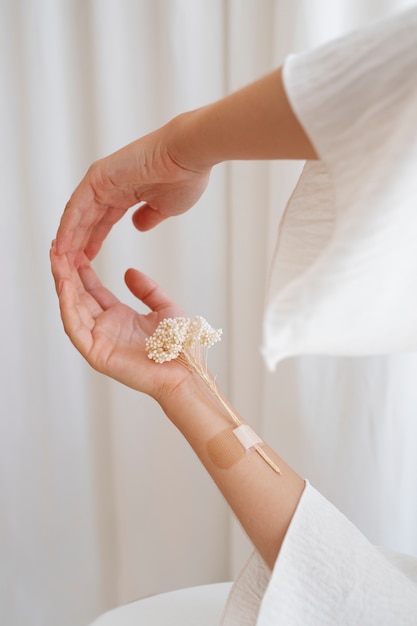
(111,337)
(165,173)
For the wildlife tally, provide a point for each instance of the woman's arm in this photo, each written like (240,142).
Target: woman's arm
(262,500)
(168,170)
(253,123)
(111,336)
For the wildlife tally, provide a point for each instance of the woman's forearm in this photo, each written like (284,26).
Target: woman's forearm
(262,500)
(256,122)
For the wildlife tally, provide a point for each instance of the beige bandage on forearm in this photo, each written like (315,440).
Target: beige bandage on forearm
(230,445)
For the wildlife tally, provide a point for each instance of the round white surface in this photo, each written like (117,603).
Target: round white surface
(194,606)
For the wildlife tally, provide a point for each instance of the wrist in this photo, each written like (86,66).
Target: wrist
(192,405)
(188,145)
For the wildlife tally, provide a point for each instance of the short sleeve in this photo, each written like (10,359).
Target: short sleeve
(343,275)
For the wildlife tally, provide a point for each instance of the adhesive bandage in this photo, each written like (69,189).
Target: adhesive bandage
(182,339)
(230,445)
(247,437)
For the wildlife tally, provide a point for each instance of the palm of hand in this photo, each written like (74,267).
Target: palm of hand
(111,335)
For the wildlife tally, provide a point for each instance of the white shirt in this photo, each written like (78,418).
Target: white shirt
(346,264)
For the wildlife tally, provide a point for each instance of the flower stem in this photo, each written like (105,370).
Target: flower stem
(194,364)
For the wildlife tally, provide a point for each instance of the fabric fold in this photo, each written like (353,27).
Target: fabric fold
(326,573)
(342,275)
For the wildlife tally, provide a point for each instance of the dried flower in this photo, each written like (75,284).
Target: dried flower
(167,341)
(177,336)
(187,341)
(201,332)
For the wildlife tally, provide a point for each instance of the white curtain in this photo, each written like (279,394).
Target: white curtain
(101,500)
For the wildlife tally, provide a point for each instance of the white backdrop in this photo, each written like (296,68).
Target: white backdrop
(101,501)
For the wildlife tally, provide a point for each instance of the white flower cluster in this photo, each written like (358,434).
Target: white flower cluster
(184,339)
(200,332)
(176,335)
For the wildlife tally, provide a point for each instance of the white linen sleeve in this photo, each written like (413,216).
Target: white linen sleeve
(326,573)
(345,264)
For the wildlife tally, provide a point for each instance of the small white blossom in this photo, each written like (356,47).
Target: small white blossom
(166,343)
(176,335)
(186,340)
(200,332)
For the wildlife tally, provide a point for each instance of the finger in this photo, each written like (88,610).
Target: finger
(92,284)
(78,218)
(100,229)
(77,323)
(61,269)
(148,291)
(65,272)
(54,268)
(146,218)
(76,317)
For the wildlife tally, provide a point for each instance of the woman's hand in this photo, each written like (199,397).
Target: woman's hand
(110,335)
(168,169)
(148,171)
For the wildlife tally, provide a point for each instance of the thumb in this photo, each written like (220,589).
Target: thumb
(147,290)
(146,217)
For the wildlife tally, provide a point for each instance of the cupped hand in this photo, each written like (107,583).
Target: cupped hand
(147,171)
(111,335)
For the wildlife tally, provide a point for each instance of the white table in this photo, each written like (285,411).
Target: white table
(194,606)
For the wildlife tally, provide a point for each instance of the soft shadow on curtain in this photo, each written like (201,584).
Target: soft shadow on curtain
(101,501)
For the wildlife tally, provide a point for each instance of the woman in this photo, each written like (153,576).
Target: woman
(350,110)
